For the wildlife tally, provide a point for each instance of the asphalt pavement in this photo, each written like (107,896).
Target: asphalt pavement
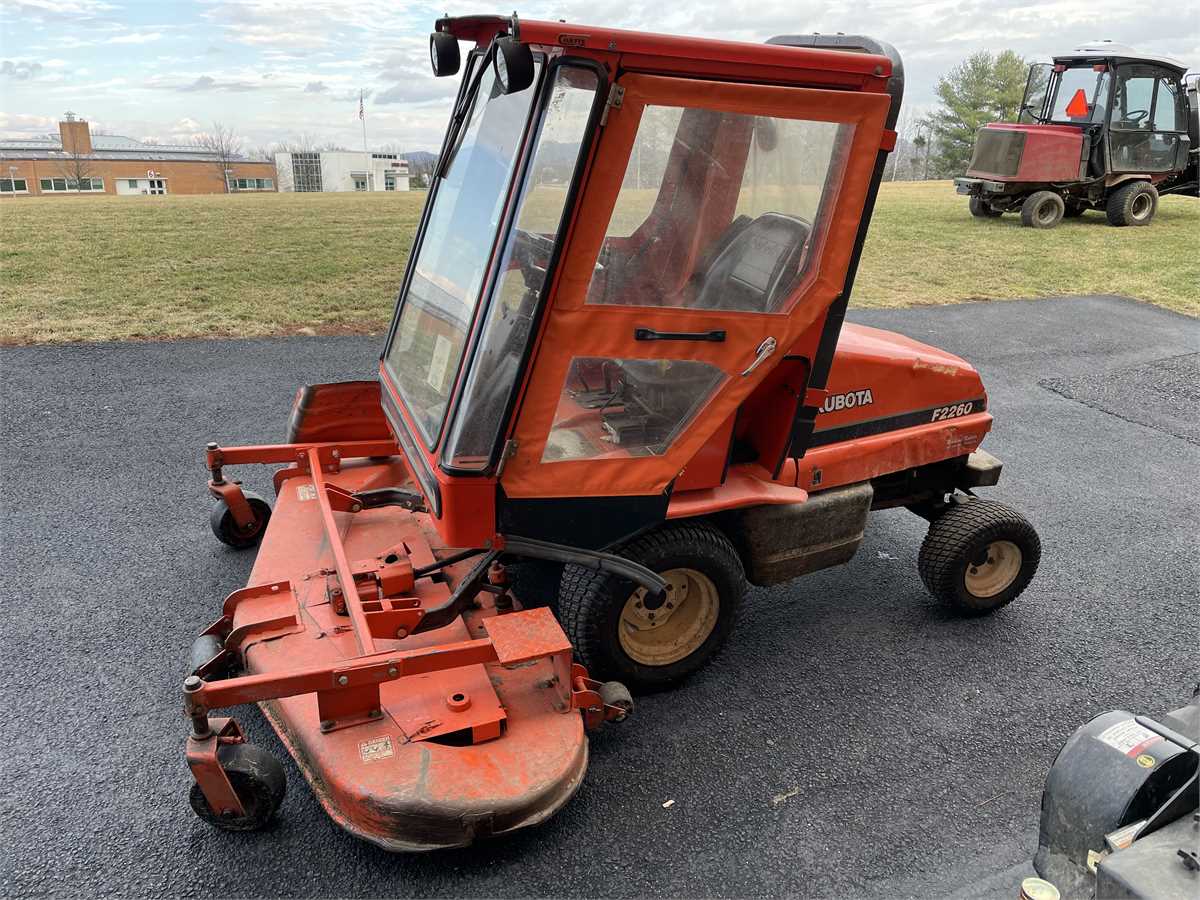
(854,740)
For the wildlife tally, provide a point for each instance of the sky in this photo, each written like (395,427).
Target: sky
(275,70)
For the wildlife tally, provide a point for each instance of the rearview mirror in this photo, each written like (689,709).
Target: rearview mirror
(443,54)
(513,63)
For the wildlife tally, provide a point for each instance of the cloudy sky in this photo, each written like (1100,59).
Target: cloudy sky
(282,69)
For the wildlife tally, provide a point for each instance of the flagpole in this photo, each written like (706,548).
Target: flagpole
(362,115)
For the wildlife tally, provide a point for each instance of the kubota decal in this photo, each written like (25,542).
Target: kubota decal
(848,400)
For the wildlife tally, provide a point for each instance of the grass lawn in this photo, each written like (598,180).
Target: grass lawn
(108,268)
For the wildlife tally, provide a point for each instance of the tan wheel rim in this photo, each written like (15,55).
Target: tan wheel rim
(659,637)
(990,575)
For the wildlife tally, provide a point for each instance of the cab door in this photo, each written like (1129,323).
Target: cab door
(715,225)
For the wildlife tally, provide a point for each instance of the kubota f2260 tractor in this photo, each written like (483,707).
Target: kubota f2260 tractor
(616,389)
(1102,128)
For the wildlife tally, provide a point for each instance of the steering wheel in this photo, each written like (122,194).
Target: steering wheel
(1136,116)
(531,250)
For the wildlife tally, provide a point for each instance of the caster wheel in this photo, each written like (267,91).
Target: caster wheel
(226,530)
(205,648)
(257,778)
(979,556)
(616,635)
(613,693)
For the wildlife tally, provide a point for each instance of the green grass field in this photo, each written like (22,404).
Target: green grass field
(111,268)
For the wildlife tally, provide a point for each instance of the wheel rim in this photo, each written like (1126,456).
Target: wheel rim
(1141,206)
(1047,212)
(994,569)
(677,628)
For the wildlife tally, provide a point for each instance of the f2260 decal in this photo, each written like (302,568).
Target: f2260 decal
(953,412)
(825,436)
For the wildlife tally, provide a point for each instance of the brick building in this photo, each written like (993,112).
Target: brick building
(78,162)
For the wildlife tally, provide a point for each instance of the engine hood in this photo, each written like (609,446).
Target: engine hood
(1027,153)
(879,374)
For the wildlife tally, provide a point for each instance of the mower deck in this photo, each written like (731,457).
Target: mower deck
(412,741)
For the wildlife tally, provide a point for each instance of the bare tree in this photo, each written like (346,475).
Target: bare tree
(226,148)
(75,167)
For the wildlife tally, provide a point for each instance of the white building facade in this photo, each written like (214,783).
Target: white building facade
(337,170)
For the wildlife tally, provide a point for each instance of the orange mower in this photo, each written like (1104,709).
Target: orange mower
(617,387)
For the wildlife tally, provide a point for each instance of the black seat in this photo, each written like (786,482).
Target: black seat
(753,264)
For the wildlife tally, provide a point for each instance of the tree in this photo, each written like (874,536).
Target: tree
(75,167)
(224,146)
(985,87)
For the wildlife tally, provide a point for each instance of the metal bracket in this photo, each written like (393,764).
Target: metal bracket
(616,96)
(206,767)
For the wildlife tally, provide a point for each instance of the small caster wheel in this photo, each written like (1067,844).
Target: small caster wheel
(979,556)
(257,778)
(206,648)
(226,529)
(613,693)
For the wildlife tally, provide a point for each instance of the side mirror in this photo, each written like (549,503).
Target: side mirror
(513,63)
(443,54)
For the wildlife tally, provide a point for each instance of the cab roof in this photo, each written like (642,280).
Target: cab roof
(481,30)
(1117,53)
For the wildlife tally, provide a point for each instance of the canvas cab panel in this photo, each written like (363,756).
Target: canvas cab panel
(715,228)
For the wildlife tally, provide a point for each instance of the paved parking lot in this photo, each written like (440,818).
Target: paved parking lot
(853,741)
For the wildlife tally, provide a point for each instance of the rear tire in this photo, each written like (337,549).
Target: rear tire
(979,556)
(617,637)
(1134,203)
(981,209)
(1042,209)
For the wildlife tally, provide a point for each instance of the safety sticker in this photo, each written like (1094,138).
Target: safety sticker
(1146,761)
(306,492)
(376,748)
(1128,737)
(439,362)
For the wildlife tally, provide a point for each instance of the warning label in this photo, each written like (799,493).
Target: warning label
(378,748)
(306,492)
(1128,737)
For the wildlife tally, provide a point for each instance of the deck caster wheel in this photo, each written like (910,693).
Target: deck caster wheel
(979,556)
(613,693)
(226,529)
(617,634)
(204,649)
(257,778)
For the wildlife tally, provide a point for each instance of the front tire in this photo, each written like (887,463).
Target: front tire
(979,556)
(617,637)
(1132,204)
(981,209)
(1042,209)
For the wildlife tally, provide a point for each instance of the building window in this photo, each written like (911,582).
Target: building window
(389,181)
(383,156)
(255,184)
(306,171)
(360,182)
(64,185)
(133,183)
(14,186)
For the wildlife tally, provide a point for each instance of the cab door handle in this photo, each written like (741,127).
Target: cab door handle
(649,334)
(765,349)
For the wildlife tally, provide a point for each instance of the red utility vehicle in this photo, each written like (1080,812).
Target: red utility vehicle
(616,389)
(1104,127)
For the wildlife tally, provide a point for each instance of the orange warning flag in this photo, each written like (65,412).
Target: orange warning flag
(1078,107)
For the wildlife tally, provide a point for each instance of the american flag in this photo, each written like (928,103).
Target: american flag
(361,112)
